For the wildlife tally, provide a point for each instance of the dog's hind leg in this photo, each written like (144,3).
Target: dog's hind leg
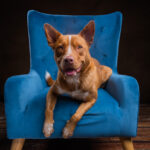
(71,124)
(106,72)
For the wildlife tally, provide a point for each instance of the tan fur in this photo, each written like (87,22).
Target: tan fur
(50,81)
(83,85)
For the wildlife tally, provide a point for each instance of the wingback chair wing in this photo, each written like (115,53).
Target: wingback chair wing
(114,114)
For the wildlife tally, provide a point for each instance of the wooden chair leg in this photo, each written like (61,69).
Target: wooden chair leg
(17,144)
(127,143)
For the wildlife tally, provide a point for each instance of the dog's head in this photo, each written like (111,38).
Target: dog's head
(71,51)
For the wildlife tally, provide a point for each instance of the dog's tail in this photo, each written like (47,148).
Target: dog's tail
(48,78)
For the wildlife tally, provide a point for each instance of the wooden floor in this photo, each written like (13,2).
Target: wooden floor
(141,142)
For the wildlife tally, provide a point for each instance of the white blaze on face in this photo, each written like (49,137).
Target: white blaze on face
(69,47)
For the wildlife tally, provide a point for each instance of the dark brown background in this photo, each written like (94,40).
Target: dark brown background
(134,43)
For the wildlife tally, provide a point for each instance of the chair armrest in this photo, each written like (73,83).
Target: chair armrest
(123,88)
(20,89)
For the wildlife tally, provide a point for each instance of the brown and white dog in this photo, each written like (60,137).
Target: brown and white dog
(79,74)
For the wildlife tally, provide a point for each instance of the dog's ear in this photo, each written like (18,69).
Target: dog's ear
(88,32)
(51,33)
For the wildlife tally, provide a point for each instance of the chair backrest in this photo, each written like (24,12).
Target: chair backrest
(104,48)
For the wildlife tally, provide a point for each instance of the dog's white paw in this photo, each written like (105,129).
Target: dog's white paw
(67,132)
(48,129)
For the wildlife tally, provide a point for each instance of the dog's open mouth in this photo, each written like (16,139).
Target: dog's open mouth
(72,71)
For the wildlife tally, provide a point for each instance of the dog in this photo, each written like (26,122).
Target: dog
(79,74)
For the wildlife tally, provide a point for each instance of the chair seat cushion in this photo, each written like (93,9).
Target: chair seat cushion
(103,119)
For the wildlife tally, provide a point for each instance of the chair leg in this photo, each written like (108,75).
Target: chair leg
(17,144)
(127,143)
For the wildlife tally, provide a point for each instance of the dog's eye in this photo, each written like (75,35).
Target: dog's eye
(59,51)
(79,47)
(60,47)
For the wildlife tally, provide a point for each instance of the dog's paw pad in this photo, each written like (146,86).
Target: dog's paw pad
(67,133)
(48,129)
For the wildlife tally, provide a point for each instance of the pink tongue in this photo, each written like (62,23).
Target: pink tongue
(70,73)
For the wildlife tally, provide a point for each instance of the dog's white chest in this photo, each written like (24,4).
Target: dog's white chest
(77,94)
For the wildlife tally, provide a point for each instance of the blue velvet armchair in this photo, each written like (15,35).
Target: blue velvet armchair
(114,114)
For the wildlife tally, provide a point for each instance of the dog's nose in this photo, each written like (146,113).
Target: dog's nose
(69,60)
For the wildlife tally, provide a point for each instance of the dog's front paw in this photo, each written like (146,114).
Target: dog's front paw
(48,129)
(68,130)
